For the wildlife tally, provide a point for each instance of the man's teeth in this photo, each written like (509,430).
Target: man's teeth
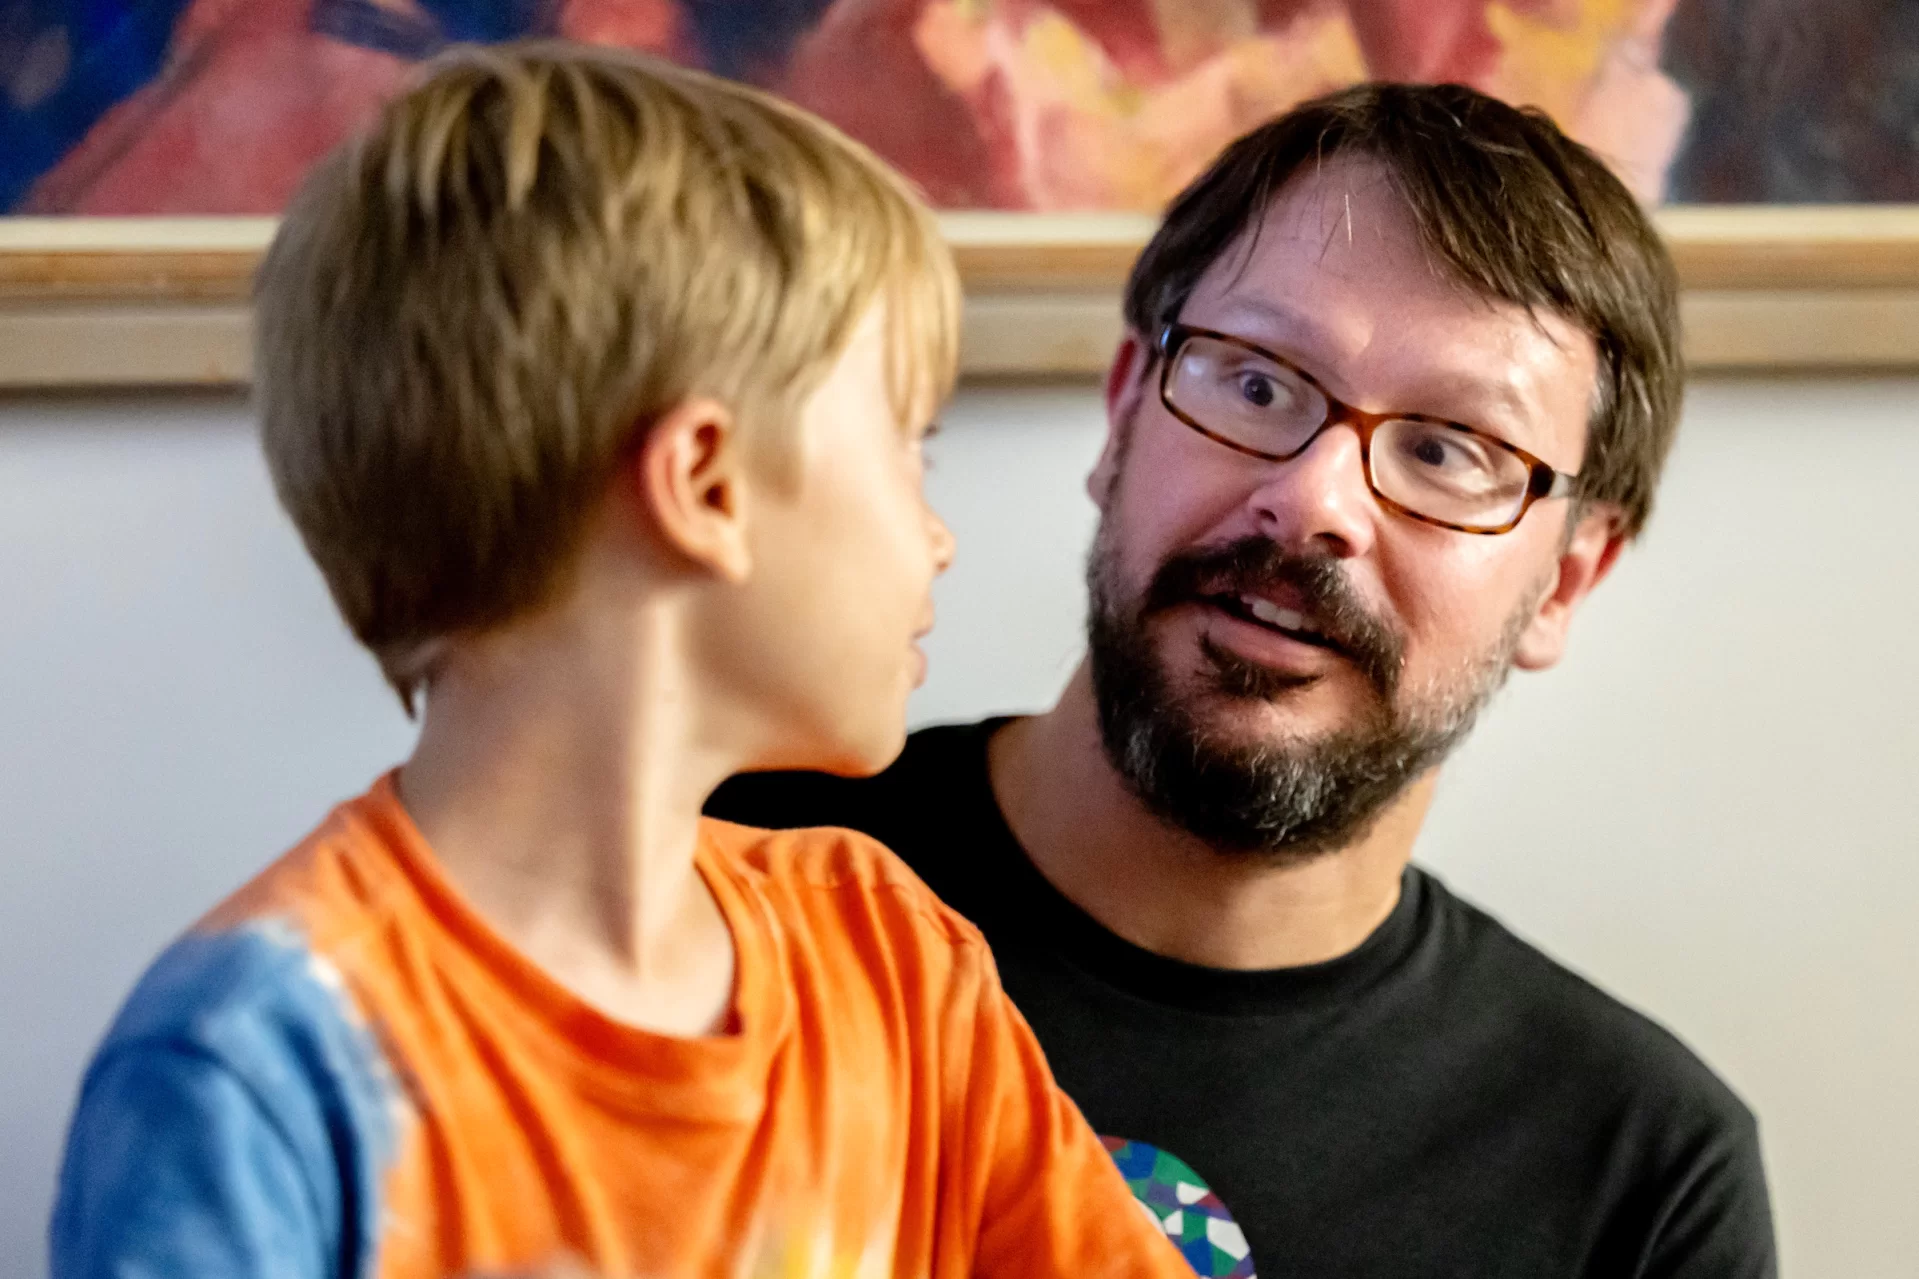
(1272,614)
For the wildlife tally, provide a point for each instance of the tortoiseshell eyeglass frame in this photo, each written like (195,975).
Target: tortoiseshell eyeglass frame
(1543,482)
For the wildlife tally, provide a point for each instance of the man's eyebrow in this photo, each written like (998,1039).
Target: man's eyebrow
(1497,397)
(1298,336)
(1279,317)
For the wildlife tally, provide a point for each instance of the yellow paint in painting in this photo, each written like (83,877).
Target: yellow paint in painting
(1315,54)
(1136,145)
(1060,53)
(1086,134)
(1549,58)
(1190,31)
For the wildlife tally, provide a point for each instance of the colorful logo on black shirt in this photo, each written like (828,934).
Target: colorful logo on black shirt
(1185,1207)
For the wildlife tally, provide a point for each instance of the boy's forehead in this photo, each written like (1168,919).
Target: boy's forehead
(913,342)
(877,361)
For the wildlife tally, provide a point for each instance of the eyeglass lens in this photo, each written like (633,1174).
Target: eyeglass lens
(1443,472)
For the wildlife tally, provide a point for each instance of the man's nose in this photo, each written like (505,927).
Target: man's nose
(1318,502)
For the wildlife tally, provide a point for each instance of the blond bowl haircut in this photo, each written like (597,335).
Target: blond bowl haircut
(470,315)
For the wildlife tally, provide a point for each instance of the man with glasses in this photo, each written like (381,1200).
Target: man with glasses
(1401,372)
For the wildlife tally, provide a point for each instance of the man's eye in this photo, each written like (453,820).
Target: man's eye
(1440,451)
(1259,390)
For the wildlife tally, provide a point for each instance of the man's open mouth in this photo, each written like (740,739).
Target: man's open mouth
(1263,612)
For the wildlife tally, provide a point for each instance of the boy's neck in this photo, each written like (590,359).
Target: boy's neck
(558,779)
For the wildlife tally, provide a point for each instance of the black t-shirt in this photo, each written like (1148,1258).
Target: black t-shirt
(1443,1101)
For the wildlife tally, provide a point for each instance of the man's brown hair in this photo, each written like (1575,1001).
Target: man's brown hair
(471,313)
(1512,207)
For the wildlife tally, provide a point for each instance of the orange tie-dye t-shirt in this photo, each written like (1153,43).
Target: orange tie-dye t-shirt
(343,1071)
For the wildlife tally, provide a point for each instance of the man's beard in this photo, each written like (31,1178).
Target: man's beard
(1286,800)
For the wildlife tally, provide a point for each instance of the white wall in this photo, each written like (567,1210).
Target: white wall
(1707,808)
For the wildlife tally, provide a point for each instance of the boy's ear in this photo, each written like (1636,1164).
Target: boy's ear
(689,477)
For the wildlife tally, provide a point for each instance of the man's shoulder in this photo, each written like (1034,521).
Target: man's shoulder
(1629,1101)
(1559,1019)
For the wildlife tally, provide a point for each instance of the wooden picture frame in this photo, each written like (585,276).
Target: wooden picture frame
(112,302)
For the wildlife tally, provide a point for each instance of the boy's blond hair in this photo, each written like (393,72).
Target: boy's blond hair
(470,315)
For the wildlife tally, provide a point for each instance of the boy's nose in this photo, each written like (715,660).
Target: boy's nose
(943,542)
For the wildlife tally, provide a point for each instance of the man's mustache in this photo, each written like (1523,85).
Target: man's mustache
(1332,607)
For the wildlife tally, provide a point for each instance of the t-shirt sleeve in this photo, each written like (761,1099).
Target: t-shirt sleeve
(236,1121)
(1717,1223)
(1049,1199)
(173,1167)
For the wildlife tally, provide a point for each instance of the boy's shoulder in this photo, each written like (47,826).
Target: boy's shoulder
(253,1003)
(262,988)
(842,873)
(255,1090)
(259,984)
(330,882)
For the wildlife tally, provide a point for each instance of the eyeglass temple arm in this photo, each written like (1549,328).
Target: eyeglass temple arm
(1562,485)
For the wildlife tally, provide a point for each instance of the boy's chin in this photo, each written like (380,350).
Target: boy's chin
(852,745)
(874,752)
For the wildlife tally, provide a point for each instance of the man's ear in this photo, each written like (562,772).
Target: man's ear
(689,477)
(1125,385)
(1588,557)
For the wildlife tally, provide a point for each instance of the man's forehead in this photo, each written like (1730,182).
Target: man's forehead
(1346,203)
(1343,220)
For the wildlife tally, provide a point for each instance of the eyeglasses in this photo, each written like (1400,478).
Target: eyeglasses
(1259,404)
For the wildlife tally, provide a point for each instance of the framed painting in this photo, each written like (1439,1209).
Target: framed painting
(146,144)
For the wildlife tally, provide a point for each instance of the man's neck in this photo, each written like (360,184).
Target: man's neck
(1162,888)
(558,779)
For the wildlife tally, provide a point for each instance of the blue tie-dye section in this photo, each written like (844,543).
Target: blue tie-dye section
(238,1120)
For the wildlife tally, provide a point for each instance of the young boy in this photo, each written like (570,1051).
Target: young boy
(597,390)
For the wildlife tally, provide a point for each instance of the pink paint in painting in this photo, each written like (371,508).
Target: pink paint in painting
(1021,104)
